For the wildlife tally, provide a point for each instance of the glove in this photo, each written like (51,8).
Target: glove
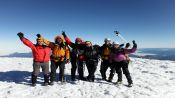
(127,45)
(38,35)
(134,43)
(121,45)
(21,35)
(64,34)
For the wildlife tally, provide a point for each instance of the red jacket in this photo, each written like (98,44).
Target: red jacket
(40,53)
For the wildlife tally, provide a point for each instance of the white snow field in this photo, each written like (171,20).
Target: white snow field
(152,79)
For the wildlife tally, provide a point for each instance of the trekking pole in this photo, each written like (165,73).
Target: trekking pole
(120,36)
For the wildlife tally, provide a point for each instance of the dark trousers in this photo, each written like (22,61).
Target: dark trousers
(91,66)
(112,72)
(81,69)
(54,66)
(103,68)
(73,67)
(124,66)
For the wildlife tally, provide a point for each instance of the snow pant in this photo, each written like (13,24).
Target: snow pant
(54,66)
(91,66)
(73,68)
(112,72)
(103,68)
(81,69)
(124,66)
(36,71)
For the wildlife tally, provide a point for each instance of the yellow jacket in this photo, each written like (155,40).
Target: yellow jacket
(59,52)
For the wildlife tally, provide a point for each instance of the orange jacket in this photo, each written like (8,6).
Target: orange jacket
(59,52)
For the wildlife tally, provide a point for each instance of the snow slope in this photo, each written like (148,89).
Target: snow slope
(152,79)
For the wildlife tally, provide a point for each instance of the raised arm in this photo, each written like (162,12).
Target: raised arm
(134,48)
(69,42)
(26,41)
(50,44)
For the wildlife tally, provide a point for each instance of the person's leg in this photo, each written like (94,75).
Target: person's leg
(126,72)
(35,73)
(118,71)
(105,67)
(54,66)
(45,69)
(62,67)
(112,72)
(94,67)
(88,65)
(81,70)
(102,71)
(73,69)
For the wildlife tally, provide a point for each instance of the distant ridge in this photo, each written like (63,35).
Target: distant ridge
(148,53)
(17,54)
(155,53)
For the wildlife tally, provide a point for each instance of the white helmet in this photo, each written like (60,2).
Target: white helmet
(107,39)
(115,43)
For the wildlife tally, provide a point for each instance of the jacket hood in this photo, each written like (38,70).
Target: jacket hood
(61,37)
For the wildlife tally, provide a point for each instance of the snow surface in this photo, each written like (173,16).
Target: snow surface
(152,79)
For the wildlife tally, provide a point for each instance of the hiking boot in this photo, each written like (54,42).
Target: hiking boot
(109,80)
(34,80)
(104,79)
(33,84)
(51,83)
(73,78)
(82,78)
(62,79)
(45,84)
(46,80)
(89,79)
(118,82)
(130,84)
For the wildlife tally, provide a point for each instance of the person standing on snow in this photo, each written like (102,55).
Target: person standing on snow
(92,55)
(112,67)
(60,56)
(105,50)
(41,58)
(119,60)
(77,57)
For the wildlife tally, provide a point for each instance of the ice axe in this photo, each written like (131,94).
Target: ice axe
(120,36)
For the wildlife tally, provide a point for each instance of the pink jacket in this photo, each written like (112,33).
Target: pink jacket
(120,56)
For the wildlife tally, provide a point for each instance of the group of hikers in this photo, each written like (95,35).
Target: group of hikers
(79,53)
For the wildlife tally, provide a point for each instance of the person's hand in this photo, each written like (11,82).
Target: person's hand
(134,43)
(20,34)
(38,35)
(127,45)
(64,34)
(121,45)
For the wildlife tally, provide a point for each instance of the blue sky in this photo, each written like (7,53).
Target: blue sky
(150,22)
